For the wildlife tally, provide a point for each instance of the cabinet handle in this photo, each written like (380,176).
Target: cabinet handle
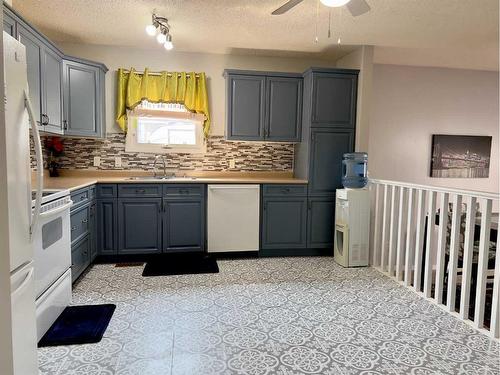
(65,125)
(309,205)
(285,190)
(45,119)
(73,228)
(83,197)
(140,191)
(84,221)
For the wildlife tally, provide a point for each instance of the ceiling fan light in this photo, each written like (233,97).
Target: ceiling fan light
(151,30)
(334,3)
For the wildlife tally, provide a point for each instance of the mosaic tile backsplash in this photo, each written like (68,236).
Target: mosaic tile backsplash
(249,156)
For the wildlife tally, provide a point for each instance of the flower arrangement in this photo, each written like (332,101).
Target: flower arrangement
(55,148)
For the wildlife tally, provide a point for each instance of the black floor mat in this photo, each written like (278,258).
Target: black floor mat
(79,325)
(180,264)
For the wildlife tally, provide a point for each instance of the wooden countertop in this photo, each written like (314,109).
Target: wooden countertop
(74,180)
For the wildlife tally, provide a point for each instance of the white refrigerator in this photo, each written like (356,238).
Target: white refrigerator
(17,219)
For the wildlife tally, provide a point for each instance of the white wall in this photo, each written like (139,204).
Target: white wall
(409,104)
(159,59)
(362,59)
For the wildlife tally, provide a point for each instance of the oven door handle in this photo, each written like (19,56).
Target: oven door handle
(56,211)
(24,283)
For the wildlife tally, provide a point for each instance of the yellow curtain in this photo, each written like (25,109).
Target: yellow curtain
(189,89)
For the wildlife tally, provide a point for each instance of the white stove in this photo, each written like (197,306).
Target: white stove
(52,257)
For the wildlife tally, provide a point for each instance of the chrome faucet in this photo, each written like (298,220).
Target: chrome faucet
(164,165)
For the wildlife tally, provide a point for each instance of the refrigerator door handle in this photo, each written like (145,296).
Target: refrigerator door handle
(35,216)
(24,283)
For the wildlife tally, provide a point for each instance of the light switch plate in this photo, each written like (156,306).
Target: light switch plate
(118,162)
(232,163)
(97,161)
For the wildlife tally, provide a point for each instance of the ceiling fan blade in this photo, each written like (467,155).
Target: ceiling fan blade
(286,7)
(358,7)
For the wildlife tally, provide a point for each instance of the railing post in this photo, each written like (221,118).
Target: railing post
(376,230)
(419,239)
(495,311)
(399,246)
(456,222)
(470,223)
(482,266)
(431,214)
(441,247)
(384,229)
(409,258)
(392,230)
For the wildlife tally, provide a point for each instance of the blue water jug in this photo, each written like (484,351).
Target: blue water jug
(354,166)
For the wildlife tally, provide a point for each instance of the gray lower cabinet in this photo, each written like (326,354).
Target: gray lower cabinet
(184,224)
(93,230)
(284,223)
(80,257)
(327,149)
(139,225)
(107,226)
(320,222)
(83,99)
(263,106)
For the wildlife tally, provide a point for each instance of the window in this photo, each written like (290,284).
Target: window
(164,128)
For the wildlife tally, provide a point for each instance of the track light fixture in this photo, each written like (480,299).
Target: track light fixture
(161,29)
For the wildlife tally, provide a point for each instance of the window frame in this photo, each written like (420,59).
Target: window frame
(131,144)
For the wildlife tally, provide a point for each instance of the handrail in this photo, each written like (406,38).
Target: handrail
(471,193)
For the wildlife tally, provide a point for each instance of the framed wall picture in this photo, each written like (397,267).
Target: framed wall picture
(460,156)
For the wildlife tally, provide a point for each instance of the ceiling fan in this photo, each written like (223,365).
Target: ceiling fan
(356,7)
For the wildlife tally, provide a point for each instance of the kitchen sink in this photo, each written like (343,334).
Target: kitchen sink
(160,178)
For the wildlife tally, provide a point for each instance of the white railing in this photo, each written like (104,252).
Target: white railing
(426,237)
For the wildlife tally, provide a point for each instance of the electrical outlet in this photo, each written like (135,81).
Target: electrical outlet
(232,163)
(97,161)
(118,162)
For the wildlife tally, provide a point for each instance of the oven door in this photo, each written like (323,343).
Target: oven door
(52,244)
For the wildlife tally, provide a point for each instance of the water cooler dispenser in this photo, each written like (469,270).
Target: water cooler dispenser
(352,214)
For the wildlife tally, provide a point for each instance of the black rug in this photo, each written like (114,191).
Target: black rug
(180,264)
(79,325)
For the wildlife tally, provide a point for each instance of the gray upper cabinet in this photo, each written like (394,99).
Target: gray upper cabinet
(73,99)
(52,95)
(327,149)
(263,106)
(34,64)
(284,111)
(334,100)
(9,23)
(245,107)
(83,99)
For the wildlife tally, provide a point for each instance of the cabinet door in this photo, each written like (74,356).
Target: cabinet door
(80,257)
(334,100)
(320,225)
(52,90)
(139,226)
(284,109)
(9,23)
(93,231)
(81,100)
(327,149)
(245,107)
(33,62)
(107,232)
(184,225)
(284,223)
(79,223)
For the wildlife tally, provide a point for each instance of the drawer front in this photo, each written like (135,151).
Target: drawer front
(183,190)
(79,198)
(137,191)
(284,190)
(79,223)
(106,191)
(92,193)
(80,258)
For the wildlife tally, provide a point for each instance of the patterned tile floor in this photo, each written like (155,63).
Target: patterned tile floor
(285,316)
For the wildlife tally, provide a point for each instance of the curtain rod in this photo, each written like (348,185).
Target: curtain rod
(159,74)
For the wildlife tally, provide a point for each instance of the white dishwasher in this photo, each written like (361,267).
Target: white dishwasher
(233,218)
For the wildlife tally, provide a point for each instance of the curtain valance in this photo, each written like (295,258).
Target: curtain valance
(189,89)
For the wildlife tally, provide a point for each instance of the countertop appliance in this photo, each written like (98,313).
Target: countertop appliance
(352,227)
(233,218)
(17,219)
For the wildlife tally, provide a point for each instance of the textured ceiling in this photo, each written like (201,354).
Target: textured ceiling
(229,26)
